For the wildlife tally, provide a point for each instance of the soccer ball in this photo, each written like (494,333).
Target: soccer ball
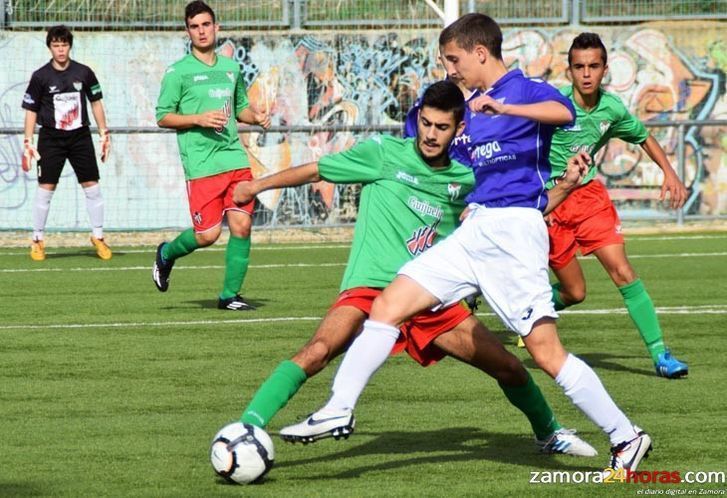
(242,453)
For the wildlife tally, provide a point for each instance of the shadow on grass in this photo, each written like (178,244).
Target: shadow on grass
(458,444)
(10,488)
(212,304)
(598,361)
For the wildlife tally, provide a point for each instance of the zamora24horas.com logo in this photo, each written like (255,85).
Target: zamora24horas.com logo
(625,476)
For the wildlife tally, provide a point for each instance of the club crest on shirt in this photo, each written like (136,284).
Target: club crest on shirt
(77,85)
(454,190)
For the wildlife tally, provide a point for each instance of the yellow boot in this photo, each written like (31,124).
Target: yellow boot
(102,250)
(37,250)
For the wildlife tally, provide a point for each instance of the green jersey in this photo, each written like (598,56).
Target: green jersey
(592,129)
(405,205)
(192,87)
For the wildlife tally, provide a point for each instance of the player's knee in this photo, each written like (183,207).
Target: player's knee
(384,309)
(208,238)
(575,296)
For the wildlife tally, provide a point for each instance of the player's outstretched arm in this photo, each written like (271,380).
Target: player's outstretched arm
(100,116)
(547,112)
(570,180)
(292,177)
(209,119)
(252,116)
(672,184)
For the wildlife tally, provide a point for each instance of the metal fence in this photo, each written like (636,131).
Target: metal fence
(317,206)
(333,14)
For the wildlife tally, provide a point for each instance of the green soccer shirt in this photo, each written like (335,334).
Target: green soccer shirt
(405,205)
(192,87)
(592,129)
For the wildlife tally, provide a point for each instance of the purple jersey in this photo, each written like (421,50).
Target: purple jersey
(509,154)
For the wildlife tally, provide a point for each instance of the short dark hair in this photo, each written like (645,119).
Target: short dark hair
(474,29)
(585,41)
(195,8)
(445,96)
(59,33)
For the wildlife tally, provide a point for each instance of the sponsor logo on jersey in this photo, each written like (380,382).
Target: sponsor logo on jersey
(219,93)
(422,239)
(28,99)
(425,208)
(200,77)
(454,190)
(462,139)
(486,150)
(53,89)
(604,126)
(587,148)
(227,109)
(77,85)
(406,177)
(230,76)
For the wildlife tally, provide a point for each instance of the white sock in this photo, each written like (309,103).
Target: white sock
(94,205)
(41,206)
(367,353)
(581,384)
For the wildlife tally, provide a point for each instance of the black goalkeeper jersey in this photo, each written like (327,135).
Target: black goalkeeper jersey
(59,97)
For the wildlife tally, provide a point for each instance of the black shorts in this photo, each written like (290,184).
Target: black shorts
(55,146)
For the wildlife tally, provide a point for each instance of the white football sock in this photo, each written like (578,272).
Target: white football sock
(367,353)
(41,206)
(581,384)
(94,205)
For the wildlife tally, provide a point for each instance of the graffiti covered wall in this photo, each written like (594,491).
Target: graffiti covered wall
(662,72)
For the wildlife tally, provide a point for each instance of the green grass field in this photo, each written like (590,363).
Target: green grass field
(110,388)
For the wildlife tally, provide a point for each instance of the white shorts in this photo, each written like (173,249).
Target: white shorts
(502,252)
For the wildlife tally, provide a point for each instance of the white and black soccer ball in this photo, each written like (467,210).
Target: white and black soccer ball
(242,453)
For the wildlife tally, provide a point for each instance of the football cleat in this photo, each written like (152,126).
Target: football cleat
(235,303)
(564,441)
(669,367)
(628,455)
(37,250)
(162,269)
(320,425)
(102,250)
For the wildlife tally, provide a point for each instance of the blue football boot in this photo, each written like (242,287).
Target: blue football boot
(669,367)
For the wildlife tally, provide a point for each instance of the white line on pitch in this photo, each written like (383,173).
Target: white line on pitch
(311,265)
(152,250)
(148,268)
(715,309)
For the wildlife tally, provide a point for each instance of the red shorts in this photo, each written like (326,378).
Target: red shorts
(585,221)
(417,333)
(210,198)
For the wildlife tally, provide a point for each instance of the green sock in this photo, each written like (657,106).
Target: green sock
(237,259)
(557,301)
(184,244)
(530,400)
(274,394)
(642,312)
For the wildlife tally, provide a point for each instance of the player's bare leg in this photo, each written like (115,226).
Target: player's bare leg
(471,343)
(335,332)
(572,288)
(237,261)
(338,328)
(641,309)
